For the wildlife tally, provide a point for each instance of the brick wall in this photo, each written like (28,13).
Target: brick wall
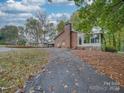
(73,40)
(67,38)
(63,39)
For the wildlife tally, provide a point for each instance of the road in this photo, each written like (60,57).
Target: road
(4,49)
(66,73)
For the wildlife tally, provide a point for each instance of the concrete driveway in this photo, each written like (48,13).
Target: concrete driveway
(4,49)
(66,73)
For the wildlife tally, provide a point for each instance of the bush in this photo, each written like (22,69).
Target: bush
(21,42)
(2,42)
(110,49)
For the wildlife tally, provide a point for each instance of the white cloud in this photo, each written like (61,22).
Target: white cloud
(59,1)
(64,1)
(10,1)
(13,23)
(21,6)
(2,13)
(19,16)
(56,17)
(16,12)
(16,19)
(25,15)
(34,2)
(59,16)
(89,1)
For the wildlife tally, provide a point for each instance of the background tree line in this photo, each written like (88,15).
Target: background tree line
(33,31)
(8,34)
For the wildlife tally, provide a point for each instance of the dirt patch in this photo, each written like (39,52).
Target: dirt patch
(110,64)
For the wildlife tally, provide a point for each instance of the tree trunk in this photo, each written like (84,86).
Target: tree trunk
(109,39)
(119,41)
(114,41)
(103,41)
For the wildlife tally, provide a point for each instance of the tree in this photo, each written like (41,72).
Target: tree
(21,36)
(60,26)
(107,14)
(43,25)
(33,29)
(51,31)
(9,34)
(86,2)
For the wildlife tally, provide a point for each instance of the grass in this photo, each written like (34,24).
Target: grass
(17,66)
(121,53)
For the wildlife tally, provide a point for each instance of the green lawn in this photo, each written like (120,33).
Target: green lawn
(17,66)
(121,53)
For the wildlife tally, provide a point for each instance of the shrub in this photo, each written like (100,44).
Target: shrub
(21,42)
(2,42)
(110,49)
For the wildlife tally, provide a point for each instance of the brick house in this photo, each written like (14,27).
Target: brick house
(72,39)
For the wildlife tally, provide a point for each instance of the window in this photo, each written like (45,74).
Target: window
(80,41)
(87,38)
(95,38)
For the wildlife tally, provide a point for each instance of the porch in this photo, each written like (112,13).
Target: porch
(89,41)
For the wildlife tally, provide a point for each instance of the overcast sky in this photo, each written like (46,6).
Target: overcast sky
(15,12)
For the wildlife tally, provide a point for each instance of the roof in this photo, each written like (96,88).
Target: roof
(61,33)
